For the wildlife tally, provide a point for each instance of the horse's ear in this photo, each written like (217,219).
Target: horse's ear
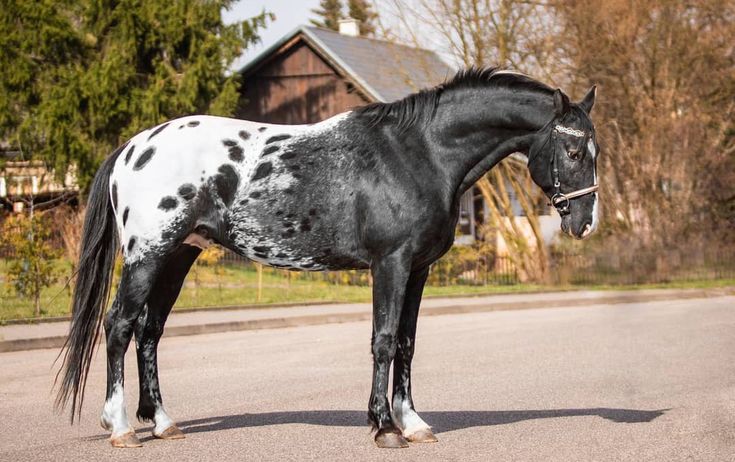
(561,103)
(589,99)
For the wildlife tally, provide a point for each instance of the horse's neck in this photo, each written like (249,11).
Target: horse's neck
(477,128)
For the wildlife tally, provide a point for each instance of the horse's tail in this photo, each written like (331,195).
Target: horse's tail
(92,289)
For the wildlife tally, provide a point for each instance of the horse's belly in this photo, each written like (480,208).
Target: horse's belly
(296,241)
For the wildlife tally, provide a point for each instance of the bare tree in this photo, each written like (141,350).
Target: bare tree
(666,121)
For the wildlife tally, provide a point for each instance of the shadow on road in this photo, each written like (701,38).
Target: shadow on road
(441,421)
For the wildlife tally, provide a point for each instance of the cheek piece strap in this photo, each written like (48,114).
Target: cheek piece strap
(561,200)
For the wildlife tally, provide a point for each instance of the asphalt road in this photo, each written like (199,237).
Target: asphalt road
(646,381)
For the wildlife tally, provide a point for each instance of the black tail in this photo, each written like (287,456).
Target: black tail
(92,289)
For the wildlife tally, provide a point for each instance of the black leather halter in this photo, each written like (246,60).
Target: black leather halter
(561,200)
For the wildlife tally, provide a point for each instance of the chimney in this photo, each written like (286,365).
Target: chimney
(349,26)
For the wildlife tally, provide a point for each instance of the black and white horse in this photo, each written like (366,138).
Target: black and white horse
(377,188)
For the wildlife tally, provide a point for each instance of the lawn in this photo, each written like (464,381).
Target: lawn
(233,285)
(237,285)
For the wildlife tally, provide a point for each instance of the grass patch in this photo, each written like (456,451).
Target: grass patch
(233,285)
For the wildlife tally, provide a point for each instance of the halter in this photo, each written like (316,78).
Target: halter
(561,200)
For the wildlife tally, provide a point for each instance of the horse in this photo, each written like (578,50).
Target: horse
(374,188)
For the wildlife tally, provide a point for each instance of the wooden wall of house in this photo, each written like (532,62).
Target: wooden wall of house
(296,87)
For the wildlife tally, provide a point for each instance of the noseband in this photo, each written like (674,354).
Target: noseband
(561,200)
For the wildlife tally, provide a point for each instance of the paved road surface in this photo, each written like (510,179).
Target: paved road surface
(645,381)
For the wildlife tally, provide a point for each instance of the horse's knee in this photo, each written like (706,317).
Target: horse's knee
(384,347)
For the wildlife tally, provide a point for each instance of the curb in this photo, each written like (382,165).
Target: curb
(338,318)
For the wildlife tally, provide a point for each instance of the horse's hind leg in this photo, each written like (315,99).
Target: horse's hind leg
(148,332)
(414,428)
(135,285)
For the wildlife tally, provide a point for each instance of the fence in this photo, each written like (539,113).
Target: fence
(233,280)
(640,267)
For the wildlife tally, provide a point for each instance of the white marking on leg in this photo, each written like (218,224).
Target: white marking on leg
(114,417)
(162,421)
(407,419)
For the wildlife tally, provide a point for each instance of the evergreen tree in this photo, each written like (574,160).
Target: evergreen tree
(330,11)
(363,12)
(79,77)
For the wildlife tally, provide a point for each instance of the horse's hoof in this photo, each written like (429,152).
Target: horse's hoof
(126,440)
(422,436)
(390,439)
(171,433)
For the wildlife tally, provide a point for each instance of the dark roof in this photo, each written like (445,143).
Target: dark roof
(385,71)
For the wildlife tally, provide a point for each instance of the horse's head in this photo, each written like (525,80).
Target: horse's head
(563,163)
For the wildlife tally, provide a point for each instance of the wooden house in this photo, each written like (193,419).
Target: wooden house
(24,181)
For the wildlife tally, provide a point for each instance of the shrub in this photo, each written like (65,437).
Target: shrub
(32,262)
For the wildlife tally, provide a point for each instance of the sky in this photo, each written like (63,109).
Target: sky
(289,15)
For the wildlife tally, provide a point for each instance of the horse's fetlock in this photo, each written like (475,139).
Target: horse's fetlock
(146,412)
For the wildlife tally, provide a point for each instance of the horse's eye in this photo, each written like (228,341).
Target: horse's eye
(574,154)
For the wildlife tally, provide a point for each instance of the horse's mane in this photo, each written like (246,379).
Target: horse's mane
(420,106)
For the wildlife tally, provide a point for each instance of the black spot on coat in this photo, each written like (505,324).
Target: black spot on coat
(229,143)
(262,249)
(193,123)
(114,195)
(144,158)
(262,129)
(226,182)
(158,130)
(244,135)
(270,150)
(263,170)
(276,138)
(236,154)
(288,155)
(187,191)
(256,194)
(168,203)
(129,154)
(125,215)
(131,244)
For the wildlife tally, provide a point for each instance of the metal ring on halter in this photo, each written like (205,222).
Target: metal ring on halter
(560,202)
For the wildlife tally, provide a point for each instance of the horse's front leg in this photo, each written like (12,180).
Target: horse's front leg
(390,275)
(414,428)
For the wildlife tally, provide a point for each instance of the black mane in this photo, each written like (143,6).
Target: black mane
(420,106)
